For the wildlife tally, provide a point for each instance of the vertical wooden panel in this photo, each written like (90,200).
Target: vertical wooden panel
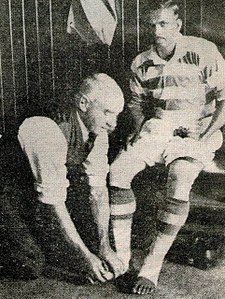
(72,53)
(18,59)
(44,50)
(8,79)
(117,48)
(201,17)
(61,49)
(213,25)
(12,56)
(123,32)
(145,36)
(38,48)
(138,25)
(193,12)
(183,15)
(25,51)
(52,49)
(73,63)
(39,61)
(33,56)
(2,118)
(130,31)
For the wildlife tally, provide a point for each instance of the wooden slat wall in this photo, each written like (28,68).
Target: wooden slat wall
(39,62)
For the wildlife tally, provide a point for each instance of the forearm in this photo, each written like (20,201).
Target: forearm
(138,120)
(135,103)
(91,264)
(96,167)
(217,122)
(101,213)
(137,115)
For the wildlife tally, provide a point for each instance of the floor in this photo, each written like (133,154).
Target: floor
(176,282)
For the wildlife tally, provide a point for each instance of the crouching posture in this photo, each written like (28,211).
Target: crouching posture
(56,153)
(178,105)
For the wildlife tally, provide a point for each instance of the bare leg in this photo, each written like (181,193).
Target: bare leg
(121,218)
(170,219)
(122,239)
(148,276)
(122,200)
(101,213)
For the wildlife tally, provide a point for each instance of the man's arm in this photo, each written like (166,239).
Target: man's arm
(93,266)
(214,76)
(96,167)
(217,122)
(135,106)
(46,149)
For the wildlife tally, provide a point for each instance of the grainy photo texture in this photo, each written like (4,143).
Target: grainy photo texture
(112,149)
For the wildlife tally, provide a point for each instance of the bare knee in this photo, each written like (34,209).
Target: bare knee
(123,170)
(182,174)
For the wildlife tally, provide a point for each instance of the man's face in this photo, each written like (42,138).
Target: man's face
(165,27)
(102,114)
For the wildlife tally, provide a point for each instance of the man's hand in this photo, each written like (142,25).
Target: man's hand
(91,265)
(113,261)
(96,269)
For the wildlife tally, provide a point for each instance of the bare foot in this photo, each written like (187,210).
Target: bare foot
(144,286)
(113,261)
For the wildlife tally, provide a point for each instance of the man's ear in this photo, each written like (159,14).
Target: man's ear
(179,24)
(83,103)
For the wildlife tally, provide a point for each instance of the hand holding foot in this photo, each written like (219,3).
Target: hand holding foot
(96,269)
(114,262)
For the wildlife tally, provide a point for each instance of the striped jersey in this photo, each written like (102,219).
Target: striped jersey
(190,81)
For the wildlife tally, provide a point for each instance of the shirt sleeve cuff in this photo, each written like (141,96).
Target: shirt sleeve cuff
(52,196)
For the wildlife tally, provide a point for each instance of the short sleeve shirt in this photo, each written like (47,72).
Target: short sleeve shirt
(46,148)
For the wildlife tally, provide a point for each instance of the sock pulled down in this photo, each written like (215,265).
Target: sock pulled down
(123,206)
(171,217)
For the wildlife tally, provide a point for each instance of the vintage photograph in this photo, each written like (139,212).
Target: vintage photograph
(112,149)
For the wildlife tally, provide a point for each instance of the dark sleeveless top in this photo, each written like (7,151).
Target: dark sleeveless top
(77,147)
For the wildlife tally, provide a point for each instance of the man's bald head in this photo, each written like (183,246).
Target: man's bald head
(100,100)
(101,87)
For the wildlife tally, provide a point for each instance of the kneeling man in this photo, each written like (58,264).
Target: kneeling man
(56,152)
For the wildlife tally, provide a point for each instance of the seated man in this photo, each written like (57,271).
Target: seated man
(56,152)
(178,105)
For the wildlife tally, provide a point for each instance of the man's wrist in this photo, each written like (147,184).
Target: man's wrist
(104,243)
(85,253)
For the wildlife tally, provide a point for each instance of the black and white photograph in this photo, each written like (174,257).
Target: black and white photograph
(112,149)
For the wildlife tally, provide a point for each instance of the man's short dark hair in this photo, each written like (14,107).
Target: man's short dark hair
(151,5)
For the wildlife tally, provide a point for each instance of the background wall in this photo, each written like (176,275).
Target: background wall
(40,63)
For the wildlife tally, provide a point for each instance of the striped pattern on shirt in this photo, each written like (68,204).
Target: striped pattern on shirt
(191,80)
